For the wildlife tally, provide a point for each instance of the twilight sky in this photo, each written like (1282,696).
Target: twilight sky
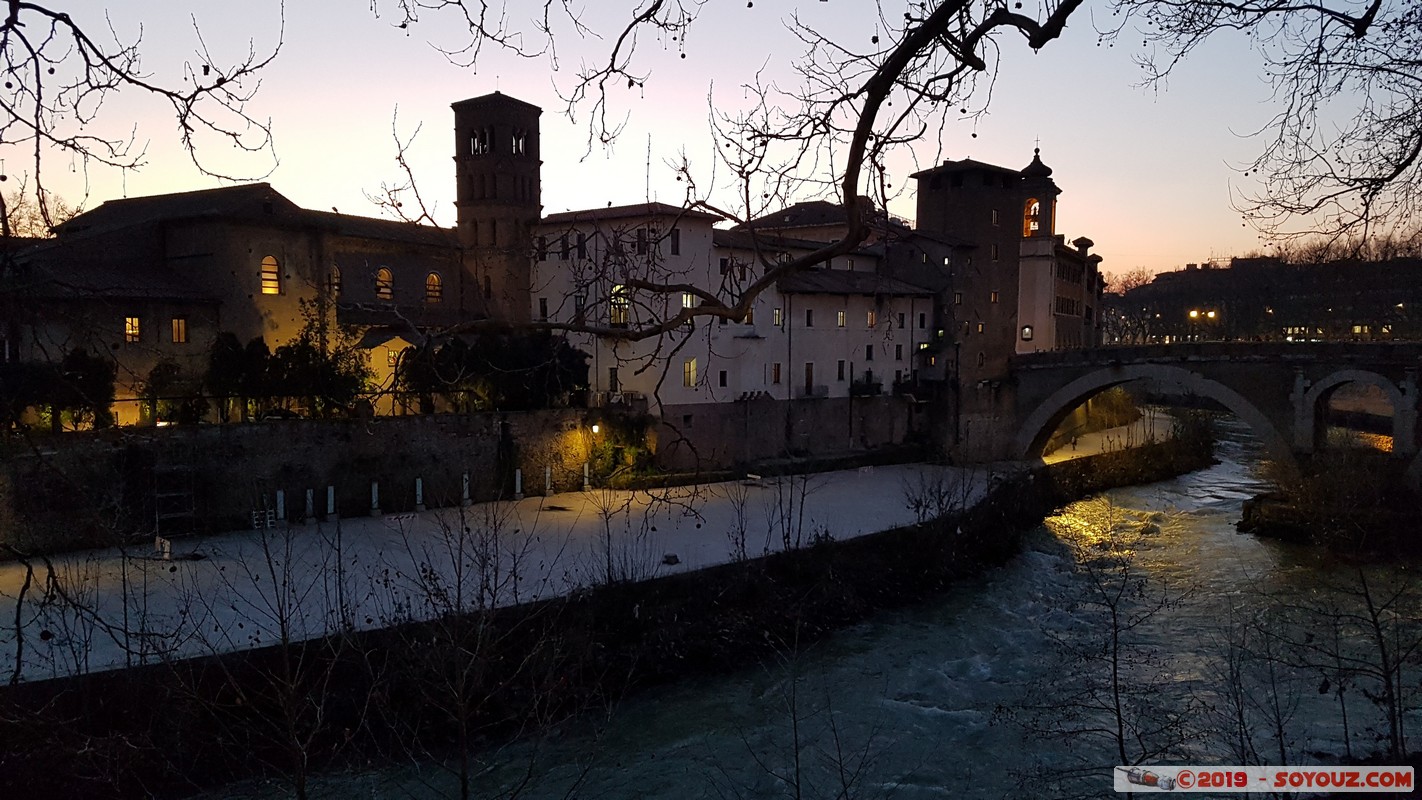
(1149,176)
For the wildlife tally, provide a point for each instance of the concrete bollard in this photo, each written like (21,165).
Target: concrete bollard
(310,506)
(518,484)
(419,494)
(330,503)
(375,498)
(464,499)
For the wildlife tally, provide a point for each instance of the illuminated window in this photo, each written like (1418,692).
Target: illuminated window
(688,300)
(434,289)
(180,330)
(333,281)
(993,297)
(384,284)
(957,298)
(1026,333)
(619,307)
(392,357)
(994,217)
(980,327)
(777,317)
(871,318)
(131,329)
(271,276)
(688,373)
(839,318)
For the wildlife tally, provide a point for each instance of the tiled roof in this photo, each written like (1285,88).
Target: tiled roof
(835,281)
(253,202)
(628,212)
(814,214)
(965,164)
(49,273)
(740,239)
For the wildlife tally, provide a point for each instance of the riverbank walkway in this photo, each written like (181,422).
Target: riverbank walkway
(107,609)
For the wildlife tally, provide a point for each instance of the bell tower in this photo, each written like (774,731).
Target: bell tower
(498,198)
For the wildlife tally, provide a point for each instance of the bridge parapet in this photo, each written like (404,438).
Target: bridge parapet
(1392,354)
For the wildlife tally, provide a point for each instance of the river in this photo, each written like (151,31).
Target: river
(998,688)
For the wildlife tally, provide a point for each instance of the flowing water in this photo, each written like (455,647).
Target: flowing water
(996,689)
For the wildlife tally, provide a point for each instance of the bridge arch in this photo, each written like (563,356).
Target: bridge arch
(1306,424)
(1038,426)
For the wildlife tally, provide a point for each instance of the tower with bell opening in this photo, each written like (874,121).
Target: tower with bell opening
(498,197)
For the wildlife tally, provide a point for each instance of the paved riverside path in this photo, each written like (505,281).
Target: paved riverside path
(106,609)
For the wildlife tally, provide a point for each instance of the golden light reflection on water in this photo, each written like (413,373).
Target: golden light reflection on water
(1344,437)
(1099,524)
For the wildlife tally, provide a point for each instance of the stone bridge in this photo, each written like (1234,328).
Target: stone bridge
(1279,389)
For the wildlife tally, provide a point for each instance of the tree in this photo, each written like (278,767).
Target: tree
(28,218)
(1126,320)
(856,102)
(61,67)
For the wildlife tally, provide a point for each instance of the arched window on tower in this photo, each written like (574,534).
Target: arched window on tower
(479,141)
(384,284)
(333,282)
(271,276)
(1032,217)
(434,289)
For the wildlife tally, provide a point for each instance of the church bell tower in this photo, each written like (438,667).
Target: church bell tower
(498,197)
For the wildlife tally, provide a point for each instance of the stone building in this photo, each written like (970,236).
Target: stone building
(152,278)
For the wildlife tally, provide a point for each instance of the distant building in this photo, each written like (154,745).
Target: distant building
(1264,299)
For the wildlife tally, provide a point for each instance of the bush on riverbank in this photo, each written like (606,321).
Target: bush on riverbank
(434,689)
(1352,500)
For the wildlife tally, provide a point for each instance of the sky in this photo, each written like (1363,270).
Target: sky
(1152,176)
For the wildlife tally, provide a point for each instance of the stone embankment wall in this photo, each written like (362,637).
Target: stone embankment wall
(762,428)
(89,489)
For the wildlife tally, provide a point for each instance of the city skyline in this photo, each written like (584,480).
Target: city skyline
(1149,177)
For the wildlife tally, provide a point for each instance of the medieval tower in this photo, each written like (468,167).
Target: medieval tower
(497,168)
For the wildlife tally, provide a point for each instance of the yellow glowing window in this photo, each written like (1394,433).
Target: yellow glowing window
(688,373)
(271,276)
(131,329)
(384,284)
(872,318)
(434,288)
(619,311)
(180,330)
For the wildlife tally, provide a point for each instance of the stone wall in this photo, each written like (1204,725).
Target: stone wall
(89,488)
(714,435)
